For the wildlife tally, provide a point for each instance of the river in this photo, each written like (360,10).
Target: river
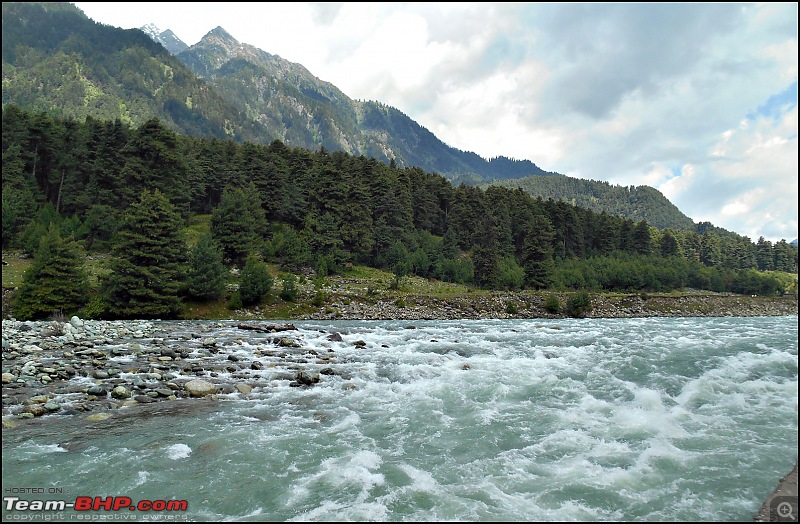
(643,419)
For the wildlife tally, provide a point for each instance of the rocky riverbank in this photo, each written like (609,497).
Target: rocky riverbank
(533,305)
(84,366)
(95,367)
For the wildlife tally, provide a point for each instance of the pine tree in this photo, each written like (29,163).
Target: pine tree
(149,264)
(450,244)
(206,276)
(709,250)
(485,256)
(100,227)
(55,283)
(785,257)
(691,246)
(764,255)
(239,223)
(356,227)
(254,282)
(668,245)
(152,161)
(569,238)
(604,233)
(537,254)
(466,212)
(641,238)
(398,260)
(19,208)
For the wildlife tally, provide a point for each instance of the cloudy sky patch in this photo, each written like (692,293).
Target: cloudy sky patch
(698,100)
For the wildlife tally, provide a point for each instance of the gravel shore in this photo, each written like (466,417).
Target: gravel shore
(531,304)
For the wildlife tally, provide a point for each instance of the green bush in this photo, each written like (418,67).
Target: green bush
(235,301)
(95,309)
(254,282)
(552,304)
(512,309)
(459,271)
(289,289)
(579,304)
(510,274)
(319,298)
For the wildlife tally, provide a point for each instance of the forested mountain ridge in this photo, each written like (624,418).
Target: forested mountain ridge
(55,59)
(58,60)
(633,202)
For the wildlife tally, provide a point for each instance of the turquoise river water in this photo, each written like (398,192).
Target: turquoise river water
(690,419)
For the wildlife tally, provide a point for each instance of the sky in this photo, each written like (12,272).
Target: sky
(698,100)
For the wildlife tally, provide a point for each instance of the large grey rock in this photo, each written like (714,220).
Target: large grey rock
(200,388)
(120,392)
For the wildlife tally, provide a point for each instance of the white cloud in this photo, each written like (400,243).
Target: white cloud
(678,185)
(659,174)
(753,185)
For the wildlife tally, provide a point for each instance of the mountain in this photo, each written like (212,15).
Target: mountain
(167,38)
(634,202)
(304,111)
(57,60)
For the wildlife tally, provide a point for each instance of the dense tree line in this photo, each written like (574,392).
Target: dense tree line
(130,191)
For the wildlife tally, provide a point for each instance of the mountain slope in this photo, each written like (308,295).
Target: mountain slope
(634,202)
(55,59)
(292,104)
(304,111)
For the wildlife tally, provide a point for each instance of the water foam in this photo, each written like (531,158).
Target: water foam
(178,451)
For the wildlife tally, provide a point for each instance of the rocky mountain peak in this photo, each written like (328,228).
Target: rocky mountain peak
(167,38)
(151,30)
(218,33)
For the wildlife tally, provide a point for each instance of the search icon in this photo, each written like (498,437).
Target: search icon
(784,510)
